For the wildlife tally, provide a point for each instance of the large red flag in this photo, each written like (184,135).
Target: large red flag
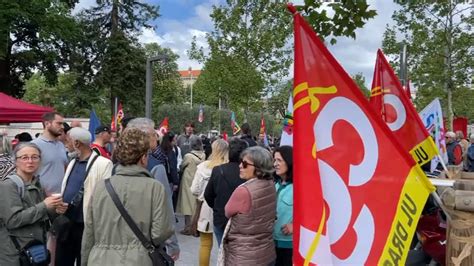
(391,101)
(358,194)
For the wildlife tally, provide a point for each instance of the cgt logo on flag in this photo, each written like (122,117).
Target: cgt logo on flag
(394,106)
(358,194)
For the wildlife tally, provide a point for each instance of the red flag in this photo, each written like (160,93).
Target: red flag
(119,117)
(163,127)
(263,132)
(358,194)
(224,136)
(390,101)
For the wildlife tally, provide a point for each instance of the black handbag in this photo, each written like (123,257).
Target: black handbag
(34,253)
(158,255)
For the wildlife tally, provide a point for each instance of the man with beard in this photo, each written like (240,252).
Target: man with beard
(82,175)
(53,153)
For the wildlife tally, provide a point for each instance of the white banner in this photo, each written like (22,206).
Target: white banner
(432,117)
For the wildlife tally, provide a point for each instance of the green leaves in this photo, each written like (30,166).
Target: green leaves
(440,55)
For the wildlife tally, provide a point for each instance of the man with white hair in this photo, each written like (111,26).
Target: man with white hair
(470,155)
(80,179)
(453,148)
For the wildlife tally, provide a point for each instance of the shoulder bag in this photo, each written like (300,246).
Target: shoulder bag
(157,255)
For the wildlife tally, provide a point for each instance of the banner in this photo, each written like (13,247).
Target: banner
(287,132)
(233,124)
(432,117)
(358,194)
(201,114)
(390,101)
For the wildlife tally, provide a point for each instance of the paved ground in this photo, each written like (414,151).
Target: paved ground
(190,248)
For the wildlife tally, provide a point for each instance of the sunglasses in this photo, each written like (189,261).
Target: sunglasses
(245,163)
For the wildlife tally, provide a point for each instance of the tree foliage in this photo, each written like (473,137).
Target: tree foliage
(232,79)
(250,50)
(32,37)
(167,85)
(359,79)
(348,15)
(440,55)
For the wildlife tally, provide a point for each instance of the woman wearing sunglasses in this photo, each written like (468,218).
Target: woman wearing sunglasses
(283,230)
(252,210)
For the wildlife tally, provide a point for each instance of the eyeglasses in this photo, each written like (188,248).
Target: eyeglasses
(34,158)
(245,163)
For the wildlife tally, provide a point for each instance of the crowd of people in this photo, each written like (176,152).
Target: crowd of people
(116,200)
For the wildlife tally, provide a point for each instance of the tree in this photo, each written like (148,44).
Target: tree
(348,15)
(167,85)
(278,102)
(233,79)
(439,37)
(254,36)
(64,96)
(359,79)
(32,34)
(122,61)
(122,74)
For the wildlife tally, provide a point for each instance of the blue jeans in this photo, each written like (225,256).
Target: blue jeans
(218,232)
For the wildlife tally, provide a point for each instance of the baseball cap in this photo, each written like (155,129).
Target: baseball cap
(102,128)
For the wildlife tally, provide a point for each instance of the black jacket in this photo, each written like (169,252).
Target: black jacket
(250,141)
(224,180)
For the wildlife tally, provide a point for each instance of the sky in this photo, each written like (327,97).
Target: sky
(180,20)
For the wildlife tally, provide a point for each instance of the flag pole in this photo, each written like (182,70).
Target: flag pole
(115,113)
(444,167)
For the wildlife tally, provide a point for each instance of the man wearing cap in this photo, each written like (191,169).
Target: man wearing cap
(80,179)
(453,148)
(103,135)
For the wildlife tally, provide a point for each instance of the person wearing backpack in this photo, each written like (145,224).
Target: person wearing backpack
(24,208)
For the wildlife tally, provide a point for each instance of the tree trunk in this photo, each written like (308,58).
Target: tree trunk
(5,84)
(114,18)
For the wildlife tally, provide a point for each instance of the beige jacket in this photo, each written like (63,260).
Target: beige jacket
(101,169)
(201,178)
(107,238)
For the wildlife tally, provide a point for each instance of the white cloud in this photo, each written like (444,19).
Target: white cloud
(178,34)
(359,55)
(83,4)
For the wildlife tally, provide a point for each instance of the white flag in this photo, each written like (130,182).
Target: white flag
(287,133)
(432,117)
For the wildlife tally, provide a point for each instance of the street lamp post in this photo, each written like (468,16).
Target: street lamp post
(149,82)
(191,84)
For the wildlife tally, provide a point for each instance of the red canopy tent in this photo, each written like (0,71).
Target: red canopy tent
(14,110)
